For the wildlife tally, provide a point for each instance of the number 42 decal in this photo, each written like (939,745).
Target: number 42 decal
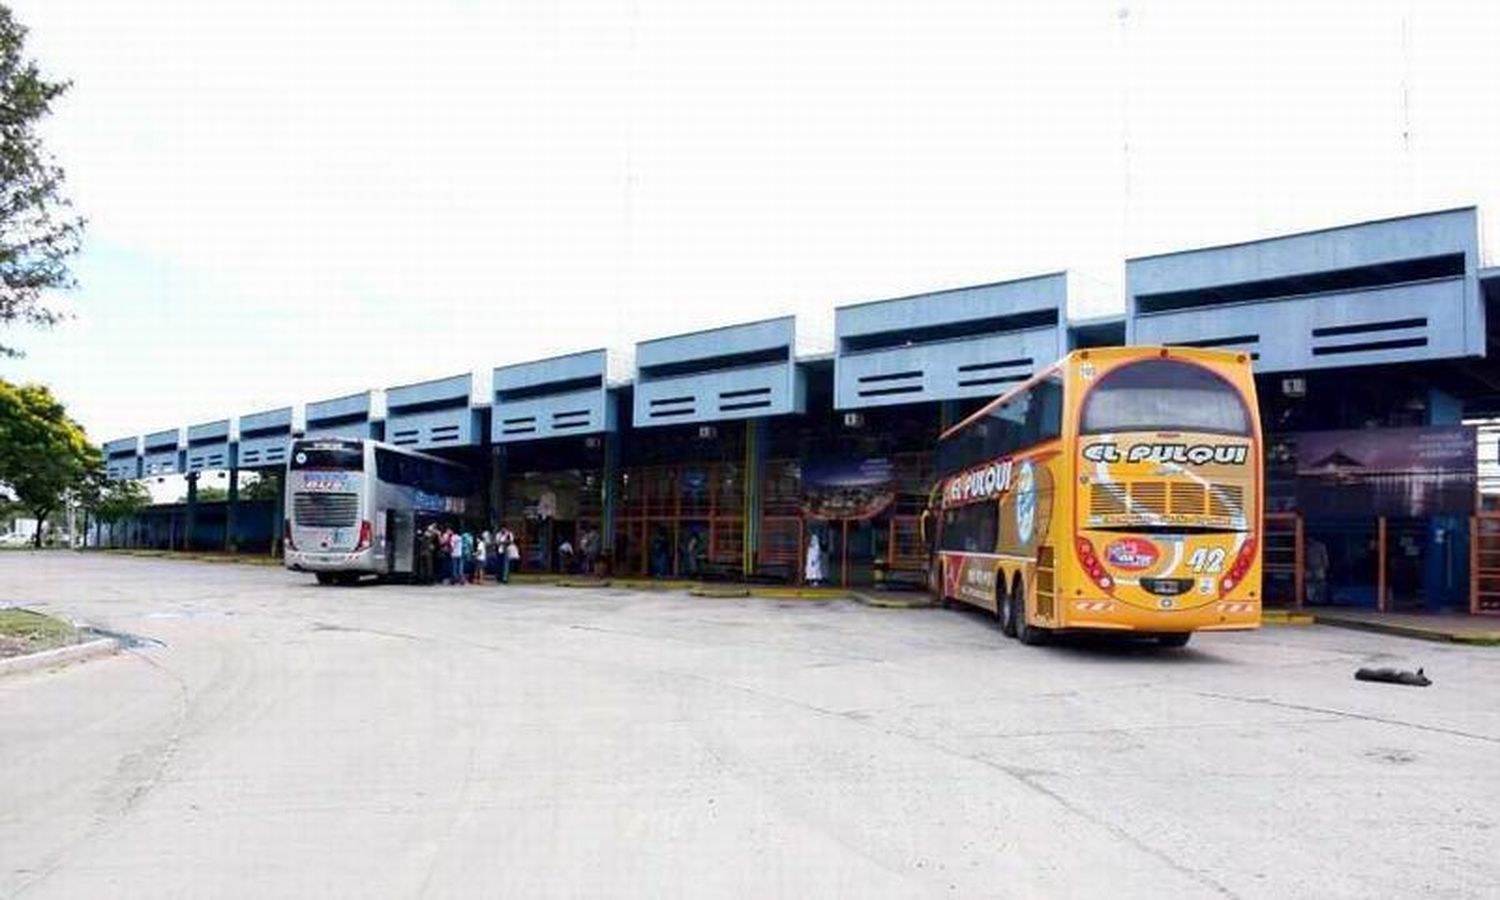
(1206,559)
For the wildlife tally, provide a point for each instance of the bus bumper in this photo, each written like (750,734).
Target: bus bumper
(331,560)
(1124,618)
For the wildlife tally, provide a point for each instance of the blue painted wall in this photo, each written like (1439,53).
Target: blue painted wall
(122,458)
(737,372)
(433,414)
(264,438)
(347,417)
(208,446)
(969,342)
(161,456)
(565,395)
(1309,322)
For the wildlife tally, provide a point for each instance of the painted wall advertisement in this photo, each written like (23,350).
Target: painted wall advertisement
(1386,472)
(847,489)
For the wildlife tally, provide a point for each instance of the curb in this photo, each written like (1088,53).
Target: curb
(725,593)
(59,656)
(1286,617)
(882,602)
(1479,639)
(179,556)
(791,593)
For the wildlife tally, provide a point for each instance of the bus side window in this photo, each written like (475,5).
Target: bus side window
(973,528)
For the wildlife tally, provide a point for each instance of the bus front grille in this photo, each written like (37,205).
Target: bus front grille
(1160,498)
(325,510)
(1227,500)
(1107,499)
(1149,497)
(1187,498)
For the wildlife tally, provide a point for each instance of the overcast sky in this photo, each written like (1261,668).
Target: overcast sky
(290,201)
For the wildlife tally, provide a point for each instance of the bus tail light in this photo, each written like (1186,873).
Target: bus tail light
(1091,564)
(364,535)
(1238,568)
(286,534)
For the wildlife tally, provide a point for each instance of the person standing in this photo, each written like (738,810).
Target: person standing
(589,544)
(690,554)
(491,554)
(422,561)
(481,557)
(565,556)
(512,554)
(1316,567)
(813,569)
(433,547)
(455,546)
(466,557)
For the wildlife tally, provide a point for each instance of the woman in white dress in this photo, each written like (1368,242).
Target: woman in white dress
(813,571)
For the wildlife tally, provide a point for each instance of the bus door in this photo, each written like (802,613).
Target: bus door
(400,541)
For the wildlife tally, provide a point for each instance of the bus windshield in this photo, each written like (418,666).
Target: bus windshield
(1164,395)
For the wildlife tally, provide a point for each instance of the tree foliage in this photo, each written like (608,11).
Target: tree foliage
(120,500)
(208,494)
(45,457)
(263,487)
(38,229)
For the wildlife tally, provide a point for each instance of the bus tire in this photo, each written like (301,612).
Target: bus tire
(325,578)
(1029,634)
(1005,610)
(1177,639)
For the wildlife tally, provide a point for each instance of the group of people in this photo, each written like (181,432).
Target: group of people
(462,557)
(584,559)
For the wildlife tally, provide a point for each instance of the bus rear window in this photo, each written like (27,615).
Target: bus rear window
(1164,395)
(336,455)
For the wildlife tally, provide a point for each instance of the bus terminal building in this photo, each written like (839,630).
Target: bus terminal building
(721,453)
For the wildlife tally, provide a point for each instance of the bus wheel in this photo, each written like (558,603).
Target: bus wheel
(1174,640)
(1029,634)
(325,578)
(1005,608)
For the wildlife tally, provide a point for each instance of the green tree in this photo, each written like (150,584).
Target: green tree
(263,487)
(208,494)
(38,229)
(117,501)
(45,457)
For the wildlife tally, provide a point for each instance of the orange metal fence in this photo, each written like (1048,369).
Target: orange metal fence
(1281,561)
(1484,563)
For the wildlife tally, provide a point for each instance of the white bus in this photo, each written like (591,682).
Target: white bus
(356,507)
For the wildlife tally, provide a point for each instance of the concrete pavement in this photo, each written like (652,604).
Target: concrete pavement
(292,740)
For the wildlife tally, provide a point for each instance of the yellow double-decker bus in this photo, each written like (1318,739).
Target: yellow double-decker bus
(1119,490)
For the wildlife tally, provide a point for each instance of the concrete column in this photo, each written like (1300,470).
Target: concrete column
(1445,566)
(278,516)
(756,442)
(499,459)
(611,487)
(231,534)
(191,524)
